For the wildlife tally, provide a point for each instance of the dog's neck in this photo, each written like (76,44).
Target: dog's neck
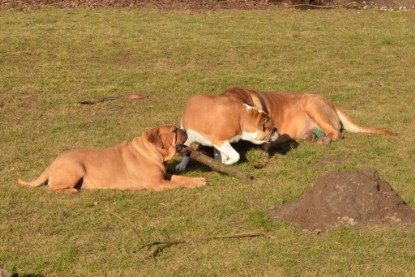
(155,156)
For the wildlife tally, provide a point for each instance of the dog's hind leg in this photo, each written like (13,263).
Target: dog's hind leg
(331,131)
(324,116)
(65,177)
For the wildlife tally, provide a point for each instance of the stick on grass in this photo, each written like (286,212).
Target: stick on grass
(218,166)
(161,245)
(114,97)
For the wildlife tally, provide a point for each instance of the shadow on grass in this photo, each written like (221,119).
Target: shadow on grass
(242,147)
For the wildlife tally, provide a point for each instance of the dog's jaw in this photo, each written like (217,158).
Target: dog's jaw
(181,149)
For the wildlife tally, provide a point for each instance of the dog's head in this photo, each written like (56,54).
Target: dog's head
(257,126)
(168,140)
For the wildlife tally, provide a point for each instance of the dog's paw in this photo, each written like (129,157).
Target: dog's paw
(309,136)
(266,154)
(230,161)
(199,182)
(324,141)
(180,167)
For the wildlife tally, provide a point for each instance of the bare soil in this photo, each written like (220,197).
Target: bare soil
(209,4)
(354,198)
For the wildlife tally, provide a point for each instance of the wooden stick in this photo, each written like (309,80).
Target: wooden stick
(218,166)
(161,245)
(114,97)
(126,222)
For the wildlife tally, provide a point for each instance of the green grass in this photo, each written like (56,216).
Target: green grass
(50,59)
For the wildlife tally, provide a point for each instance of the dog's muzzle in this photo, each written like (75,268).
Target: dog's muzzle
(181,148)
(273,135)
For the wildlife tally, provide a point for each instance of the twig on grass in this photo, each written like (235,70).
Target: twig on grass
(126,222)
(352,4)
(311,6)
(161,245)
(114,97)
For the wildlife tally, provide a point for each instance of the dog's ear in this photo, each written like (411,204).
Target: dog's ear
(155,139)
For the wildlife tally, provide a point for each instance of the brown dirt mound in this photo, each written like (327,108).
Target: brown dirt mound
(353,198)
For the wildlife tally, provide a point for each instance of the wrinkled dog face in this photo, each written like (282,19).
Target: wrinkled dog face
(169,140)
(259,127)
(269,132)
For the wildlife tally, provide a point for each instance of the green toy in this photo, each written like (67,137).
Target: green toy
(318,133)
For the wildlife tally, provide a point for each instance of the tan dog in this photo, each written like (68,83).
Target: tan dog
(220,120)
(135,165)
(297,116)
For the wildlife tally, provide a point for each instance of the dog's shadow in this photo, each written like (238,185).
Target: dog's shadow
(242,147)
(283,148)
(27,275)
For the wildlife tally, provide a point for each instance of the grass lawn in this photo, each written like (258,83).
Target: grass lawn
(50,59)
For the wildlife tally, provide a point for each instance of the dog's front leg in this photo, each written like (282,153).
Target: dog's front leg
(228,154)
(174,181)
(217,154)
(180,167)
(265,147)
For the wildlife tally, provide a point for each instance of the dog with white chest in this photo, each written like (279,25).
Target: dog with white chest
(219,121)
(302,115)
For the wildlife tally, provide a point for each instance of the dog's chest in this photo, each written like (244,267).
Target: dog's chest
(207,141)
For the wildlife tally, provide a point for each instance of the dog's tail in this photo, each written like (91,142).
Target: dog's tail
(38,182)
(350,126)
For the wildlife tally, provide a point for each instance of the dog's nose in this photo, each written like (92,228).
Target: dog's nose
(274,134)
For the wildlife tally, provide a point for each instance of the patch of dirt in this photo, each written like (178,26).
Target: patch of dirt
(354,198)
(208,4)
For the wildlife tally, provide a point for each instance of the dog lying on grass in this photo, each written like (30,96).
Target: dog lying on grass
(301,116)
(135,165)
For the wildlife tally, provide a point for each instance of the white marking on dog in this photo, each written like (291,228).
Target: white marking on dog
(252,137)
(228,154)
(249,107)
(193,136)
(180,167)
